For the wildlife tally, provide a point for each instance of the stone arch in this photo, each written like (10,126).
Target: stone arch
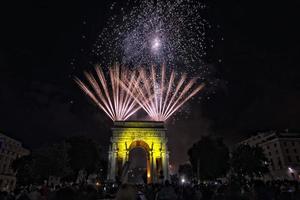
(147,135)
(141,144)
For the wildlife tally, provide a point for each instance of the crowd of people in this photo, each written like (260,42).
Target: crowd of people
(58,192)
(256,190)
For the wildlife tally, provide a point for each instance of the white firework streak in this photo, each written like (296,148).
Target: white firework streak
(158,94)
(118,104)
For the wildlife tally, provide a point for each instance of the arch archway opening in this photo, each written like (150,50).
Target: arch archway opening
(138,162)
(140,147)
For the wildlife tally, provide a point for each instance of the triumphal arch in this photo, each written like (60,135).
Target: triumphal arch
(148,135)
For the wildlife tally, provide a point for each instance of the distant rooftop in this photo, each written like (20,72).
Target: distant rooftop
(261,137)
(7,137)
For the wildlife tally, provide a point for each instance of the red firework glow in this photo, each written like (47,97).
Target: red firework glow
(158,94)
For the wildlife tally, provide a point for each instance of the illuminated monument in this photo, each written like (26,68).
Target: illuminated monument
(158,94)
(150,136)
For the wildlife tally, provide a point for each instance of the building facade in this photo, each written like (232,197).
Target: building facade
(283,152)
(10,149)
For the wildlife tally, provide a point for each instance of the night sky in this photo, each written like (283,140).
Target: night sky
(45,44)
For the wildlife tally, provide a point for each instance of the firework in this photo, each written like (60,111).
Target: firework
(158,94)
(110,96)
(154,31)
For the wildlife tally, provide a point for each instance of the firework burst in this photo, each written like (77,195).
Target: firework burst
(110,96)
(158,94)
(154,31)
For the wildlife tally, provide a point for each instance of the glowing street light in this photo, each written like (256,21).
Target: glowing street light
(182,180)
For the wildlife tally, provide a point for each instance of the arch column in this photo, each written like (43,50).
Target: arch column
(164,156)
(149,172)
(165,165)
(112,162)
(153,171)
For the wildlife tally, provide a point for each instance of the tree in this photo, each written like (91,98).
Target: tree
(84,154)
(247,161)
(24,168)
(53,160)
(209,158)
(44,162)
(185,171)
(64,160)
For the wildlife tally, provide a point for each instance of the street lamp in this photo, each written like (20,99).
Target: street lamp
(182,180)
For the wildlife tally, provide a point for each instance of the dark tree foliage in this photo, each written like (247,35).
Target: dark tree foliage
(174,179)
(42,163)
(247,161)
(24,166)
(103,169)
(186,170)
(84,154)
(64,160)
(53,160)
(209,158)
